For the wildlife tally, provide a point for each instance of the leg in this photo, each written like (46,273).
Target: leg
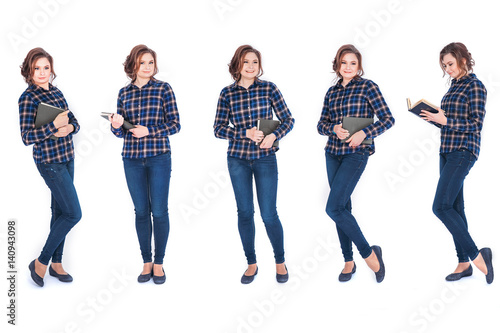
(332,166)
(266,183)
(347,176)
(137,182)
(59,178)
(159,169)
(241,179)
(455,167)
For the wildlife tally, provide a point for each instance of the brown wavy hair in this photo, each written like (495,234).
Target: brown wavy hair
(236,63)
(458,51)
(132,62)
(337,62)
(28,65)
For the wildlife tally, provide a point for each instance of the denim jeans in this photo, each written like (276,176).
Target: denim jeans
(265,172)
(449,200)
(65,207)
(344,172)
(148,181)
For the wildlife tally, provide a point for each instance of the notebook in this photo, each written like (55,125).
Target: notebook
(354,124)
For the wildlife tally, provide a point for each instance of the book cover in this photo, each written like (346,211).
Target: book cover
(268,126)
(355,124)
(420,106)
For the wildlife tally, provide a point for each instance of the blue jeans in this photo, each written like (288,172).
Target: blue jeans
(148,181)
(344,172)
(65,207)
(265,172)
(449,200)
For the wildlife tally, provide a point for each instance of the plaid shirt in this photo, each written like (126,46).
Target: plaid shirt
(464,104)
(45,150)
(360,98)
(152,106)
(242,108)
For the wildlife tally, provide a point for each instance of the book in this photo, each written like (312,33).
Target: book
(355,124)
(45,114)
(421,105)
(125,125)
(268,126)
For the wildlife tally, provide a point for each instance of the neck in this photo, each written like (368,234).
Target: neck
(44,86)
(345,81)
(245,82)
(140,82)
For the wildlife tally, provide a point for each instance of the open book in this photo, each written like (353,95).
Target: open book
(421,105)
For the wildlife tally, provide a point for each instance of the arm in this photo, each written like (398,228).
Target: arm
(381,110)
(326,123)
(222,129)
(172,124)
(282,113)
(118,132)
(27,113)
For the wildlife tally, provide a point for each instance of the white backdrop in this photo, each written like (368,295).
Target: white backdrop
(400,41)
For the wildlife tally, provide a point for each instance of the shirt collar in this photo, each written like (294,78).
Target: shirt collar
(151,82)
(465,78)
(354,81)
(235,85)
(37,87)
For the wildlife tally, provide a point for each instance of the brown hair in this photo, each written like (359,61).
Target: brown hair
(236,63)
(458,51)
(28,65)
(132,62)
(345,49)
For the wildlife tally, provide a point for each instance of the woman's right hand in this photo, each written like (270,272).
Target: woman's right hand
(340,132)
(116,120)
(255,135)
(61,120)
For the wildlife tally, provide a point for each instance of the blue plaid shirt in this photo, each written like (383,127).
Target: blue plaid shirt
(360,98)
(464,104)
(239,109)
(45,150)
(153,106)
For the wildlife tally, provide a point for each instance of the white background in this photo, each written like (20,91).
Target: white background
(195,40)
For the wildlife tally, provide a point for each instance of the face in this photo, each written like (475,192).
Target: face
(250,67)
(349,66)
(451,67)
(146,66)
(41,72)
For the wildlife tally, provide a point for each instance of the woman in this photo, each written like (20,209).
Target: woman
(150,105)
(53,153)
(351,96)
(251,154)
(461,119)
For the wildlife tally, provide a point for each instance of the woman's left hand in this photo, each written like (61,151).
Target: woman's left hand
(438,118)
(139,131)
(268,141)
(356,139)
(64,131)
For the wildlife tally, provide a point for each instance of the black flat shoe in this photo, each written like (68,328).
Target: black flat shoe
(381,272)
(145,277)
(281,278)
(37,278)
(458,276)
(61,277)
(344,277)
(246,279)
(488,256)
(159,279)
